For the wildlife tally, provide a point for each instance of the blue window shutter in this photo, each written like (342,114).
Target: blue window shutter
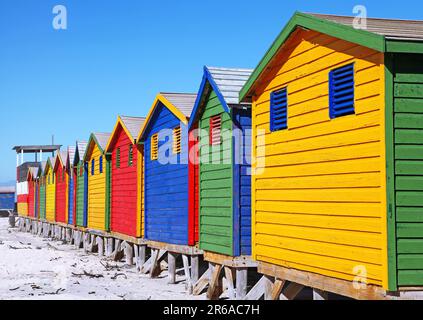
(92,167)
(100,164)
(279,110)
(341,91)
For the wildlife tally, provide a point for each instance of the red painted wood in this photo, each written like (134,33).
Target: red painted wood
(31,198)
(124,187)
(61,189)
(22,198)
(193,177)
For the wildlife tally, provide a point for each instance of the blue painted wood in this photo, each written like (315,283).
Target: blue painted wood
(85,194)
(7,201)
(242,181)
(341,91)
(166,181)
(71,200)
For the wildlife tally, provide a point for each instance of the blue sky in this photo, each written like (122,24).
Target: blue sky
(116,56)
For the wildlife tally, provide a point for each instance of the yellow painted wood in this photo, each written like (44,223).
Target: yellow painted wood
(96,188)
(50,194)
(318,188)
(22,209)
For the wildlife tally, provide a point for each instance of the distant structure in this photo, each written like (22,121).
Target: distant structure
(22,168)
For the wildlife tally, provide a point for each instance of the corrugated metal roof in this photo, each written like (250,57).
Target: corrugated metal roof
(133,125)
(82,145)
(230,81)
(43,166)
(394,29)
(63,156)
(71,153)
(183,101)
(34,171)
(102,139)
(7,189)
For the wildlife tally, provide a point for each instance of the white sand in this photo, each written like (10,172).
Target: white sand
(43,269)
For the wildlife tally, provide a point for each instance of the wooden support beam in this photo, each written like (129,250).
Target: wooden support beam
(129,254)
(100,246)
(118,253)
(262,287)
(202,283)
(241,283)
(157,257)
(291,291)
(187,271)
(320,295)
(171,263)
(277,289)
(229,276)
(109,247)
(195,268)
(215,286)
(324,283)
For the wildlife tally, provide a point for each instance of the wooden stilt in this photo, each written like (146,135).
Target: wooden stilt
(215,287)
(202,283)
(241,283)
(189,284)
(157,256)
(230,282)
(129,254)
(100,246)
(118,253)
(171,263)
(109,247)
(195,268)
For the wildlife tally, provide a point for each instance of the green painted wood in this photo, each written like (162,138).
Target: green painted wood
(409,152)
(410,261)
(80,197)
(408,123)
(409,183)
(390,173)
(408,246)
(216,224)
(42,202)
(404,46)
(410,278)
(408,90)
(409,214)
(409,230)
(403,167)
(406,105)
(407,136)
(409,198)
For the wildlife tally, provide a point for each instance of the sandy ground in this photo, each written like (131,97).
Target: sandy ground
(35,268)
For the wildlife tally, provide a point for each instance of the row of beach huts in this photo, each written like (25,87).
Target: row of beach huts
(307,171)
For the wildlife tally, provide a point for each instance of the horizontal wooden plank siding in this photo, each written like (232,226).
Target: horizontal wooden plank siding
(124,188)
(318,190)
(61,193)
(216,182)
(42,199)
(166,181)
(81,190)
(408,124)
(50,195)
(96,189)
